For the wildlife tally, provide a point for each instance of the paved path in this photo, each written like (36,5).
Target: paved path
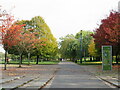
(34,76)
(71,75)
(63,75)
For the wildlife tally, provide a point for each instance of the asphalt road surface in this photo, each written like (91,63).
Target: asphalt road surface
(71,75)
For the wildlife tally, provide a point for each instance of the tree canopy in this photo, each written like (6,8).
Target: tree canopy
(70,45)
(108,32)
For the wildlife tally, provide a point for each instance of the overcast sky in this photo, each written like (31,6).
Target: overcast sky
(62,16)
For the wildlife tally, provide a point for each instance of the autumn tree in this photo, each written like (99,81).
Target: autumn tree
(30,42)
(108,33)
(5,24)
(38,35)
(27,40)
(92,49)
(9,33)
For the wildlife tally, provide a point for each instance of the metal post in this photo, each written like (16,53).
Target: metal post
(81,46)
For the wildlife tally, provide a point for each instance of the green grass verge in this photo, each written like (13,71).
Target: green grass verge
(90,63)
(49,62)
(26,62)
(93,63)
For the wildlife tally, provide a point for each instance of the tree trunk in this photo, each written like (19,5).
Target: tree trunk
(20,60)
(47,59)
(90,58)
(116,59)
(28,58)
(84,56)
(117,53)
(84,59)
(37,60)
(5,60)
(81,60)
(94,58)
(98,58)
(75,60)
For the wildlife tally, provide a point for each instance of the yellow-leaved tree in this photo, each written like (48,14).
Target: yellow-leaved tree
(91,49)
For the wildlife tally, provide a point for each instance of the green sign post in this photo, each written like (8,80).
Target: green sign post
(106,57)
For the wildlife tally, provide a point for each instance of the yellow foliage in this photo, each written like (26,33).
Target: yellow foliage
(91,49)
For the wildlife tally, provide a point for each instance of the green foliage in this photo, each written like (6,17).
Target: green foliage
(86,37)
(50,48)
(1,55)
(70,45)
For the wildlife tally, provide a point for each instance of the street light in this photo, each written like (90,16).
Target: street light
(81,46)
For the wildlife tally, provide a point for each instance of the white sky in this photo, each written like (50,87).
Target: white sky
(62,16)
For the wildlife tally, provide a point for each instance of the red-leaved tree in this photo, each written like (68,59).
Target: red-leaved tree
(9,32)
(108,32)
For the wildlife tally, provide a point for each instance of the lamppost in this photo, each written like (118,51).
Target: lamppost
(81,46)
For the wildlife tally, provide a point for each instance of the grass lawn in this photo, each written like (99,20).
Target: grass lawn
(26,62)
(49,62)
(92,63)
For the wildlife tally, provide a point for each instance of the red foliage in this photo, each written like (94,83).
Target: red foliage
(109,31)
(28,40)
(13,34)
(9,32)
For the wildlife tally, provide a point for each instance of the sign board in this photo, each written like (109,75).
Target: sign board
(107,57)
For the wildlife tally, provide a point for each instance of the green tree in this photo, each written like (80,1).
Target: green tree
(68,47)
(44,33)
(86,37)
